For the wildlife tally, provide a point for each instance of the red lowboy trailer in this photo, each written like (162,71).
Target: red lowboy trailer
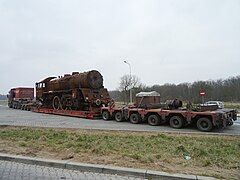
(71,113)
(205,118)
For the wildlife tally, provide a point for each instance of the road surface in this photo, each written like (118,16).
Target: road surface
(25,118)
(19,171)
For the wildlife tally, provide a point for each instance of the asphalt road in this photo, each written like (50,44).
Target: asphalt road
(25,118)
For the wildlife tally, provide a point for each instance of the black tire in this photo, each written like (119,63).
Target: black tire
(154,120)
(176,122)
(118,116)
(135,118)
(204,124)
(230,123)
(105,115)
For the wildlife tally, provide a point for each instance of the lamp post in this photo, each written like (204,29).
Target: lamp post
(130,69)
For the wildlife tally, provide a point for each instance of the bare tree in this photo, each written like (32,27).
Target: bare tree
(128,82)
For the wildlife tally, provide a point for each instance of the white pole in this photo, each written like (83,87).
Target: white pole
(130,69)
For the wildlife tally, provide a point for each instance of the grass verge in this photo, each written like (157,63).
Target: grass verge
(217,156)
(232,105)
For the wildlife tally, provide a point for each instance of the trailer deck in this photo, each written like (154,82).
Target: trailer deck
(71,113)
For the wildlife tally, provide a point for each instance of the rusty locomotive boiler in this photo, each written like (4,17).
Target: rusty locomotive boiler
(78,91)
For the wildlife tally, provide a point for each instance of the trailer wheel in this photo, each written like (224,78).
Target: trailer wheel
(135,118)
(204,124)
(154,120)
(119,117)
(230,123)
(105,115)
(176,122)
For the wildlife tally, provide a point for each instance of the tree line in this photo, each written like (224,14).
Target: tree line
(3,97)
(227,90)
(223,90)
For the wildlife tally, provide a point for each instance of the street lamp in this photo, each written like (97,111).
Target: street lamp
(130,79)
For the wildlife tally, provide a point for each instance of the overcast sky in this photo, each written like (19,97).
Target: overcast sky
(166,41)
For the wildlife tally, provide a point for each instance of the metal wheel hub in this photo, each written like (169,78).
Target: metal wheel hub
(153,120)
(176,122)
(204,124)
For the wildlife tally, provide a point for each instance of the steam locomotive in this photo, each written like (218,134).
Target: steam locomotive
(76,91)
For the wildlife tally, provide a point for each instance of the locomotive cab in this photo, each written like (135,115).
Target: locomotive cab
(40,87)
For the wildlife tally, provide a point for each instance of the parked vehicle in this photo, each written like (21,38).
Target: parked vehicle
(218,103)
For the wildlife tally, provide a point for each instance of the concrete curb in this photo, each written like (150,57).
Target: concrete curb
(98,168)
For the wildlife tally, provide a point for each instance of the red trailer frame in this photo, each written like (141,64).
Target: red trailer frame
(177,118)
(71,113)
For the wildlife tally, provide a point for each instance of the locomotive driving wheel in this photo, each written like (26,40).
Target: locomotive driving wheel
(66,102)
(56,103)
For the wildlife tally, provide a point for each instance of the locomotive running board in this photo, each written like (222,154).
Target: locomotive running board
(71,113)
